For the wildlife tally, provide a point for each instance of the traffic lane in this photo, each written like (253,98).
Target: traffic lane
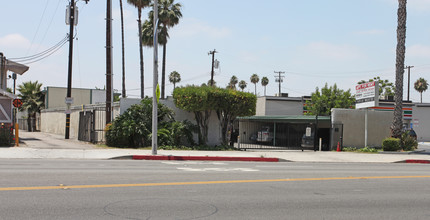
(333,199)
(17,173)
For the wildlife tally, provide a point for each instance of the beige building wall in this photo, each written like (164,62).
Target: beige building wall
(55,97)
(421,121)
(55,122)
(353,120)
(271,105)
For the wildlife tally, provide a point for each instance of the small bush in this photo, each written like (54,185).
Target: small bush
(408,142)
(349,149)
(391,144)
(6,135)
(368,150)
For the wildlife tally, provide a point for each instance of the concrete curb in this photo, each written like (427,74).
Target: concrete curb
(415,161)
(201,158)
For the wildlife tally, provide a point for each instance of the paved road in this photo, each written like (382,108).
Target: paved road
(118,189)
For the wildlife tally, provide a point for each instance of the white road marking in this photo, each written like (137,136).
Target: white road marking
(193,163)
(216,169)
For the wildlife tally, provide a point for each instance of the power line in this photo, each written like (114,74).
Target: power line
(41,54)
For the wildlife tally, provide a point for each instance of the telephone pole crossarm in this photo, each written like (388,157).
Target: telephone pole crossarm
(213,61)
(409,78)
(279,79)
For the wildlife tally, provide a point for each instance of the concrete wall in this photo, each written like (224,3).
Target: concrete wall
(97,96)
(269,105)
(214,130)
(55,97)
(54,120)
(353,121)
(214,137)
(421,121)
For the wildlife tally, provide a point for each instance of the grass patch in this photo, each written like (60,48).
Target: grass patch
(360,150)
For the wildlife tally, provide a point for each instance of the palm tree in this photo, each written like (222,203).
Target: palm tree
(421,86)
(396,128)
(123,49)
(242,84)
(169,14)
(32,100)
(140,4)
(233,82)
(174,78)
(255,79)
(264,82)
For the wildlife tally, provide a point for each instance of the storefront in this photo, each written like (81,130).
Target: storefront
(293,132)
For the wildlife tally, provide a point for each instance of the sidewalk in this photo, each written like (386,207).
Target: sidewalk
(49,146)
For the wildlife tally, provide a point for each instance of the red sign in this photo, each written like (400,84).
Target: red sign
(365,85)
(17,103)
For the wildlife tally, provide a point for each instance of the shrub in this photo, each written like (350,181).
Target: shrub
(391,144)
(408,142)
(133,127)
(6,135)
(368,150)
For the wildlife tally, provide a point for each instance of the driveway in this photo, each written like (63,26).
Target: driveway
(41,140)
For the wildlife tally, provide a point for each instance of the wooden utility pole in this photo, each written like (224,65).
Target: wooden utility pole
(108,61)
(409,78)
(213,61)
(69,75)
(279,79)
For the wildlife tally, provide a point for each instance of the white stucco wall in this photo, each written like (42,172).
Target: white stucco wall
(421,121)
(268,105)
(353,121)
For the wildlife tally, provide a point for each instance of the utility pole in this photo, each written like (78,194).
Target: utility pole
(279,79)
(108,61)
(213,60)
(154,84)
(409,78)
(69,75)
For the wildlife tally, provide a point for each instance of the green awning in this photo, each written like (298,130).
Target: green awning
(286,118)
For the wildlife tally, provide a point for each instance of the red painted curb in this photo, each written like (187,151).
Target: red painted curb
(417,161)
(155,157)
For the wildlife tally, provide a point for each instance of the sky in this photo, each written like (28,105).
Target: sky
(314,42)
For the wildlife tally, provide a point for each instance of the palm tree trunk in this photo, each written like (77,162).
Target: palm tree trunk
(421,94)
(255,88)
(396,128)
(123,50)
(163,71)
(139,22)
(264,90)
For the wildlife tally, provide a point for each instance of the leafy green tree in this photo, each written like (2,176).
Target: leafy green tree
(230,104)
(169,14)
(421,86)
(140,5)
(242,85)
(329,97)
(254,79)
(396,127)
(174,78)
(196,99)
(32,100)
(213,83)
(227,103)
(386,88)
(264,82)
(134,127)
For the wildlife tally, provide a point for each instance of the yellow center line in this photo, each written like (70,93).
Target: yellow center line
(205,182)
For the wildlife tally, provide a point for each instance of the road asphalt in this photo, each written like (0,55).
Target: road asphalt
(51,146)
